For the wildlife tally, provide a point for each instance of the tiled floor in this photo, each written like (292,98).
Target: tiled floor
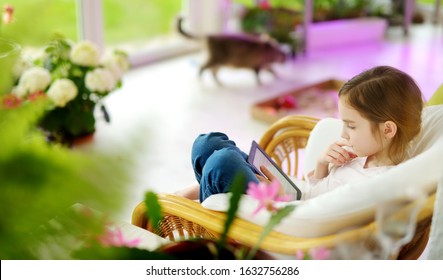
(163,107)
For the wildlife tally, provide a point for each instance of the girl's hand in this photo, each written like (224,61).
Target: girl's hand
(336,154)
(263,179)
(269,178)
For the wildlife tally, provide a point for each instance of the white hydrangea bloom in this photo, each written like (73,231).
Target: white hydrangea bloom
(26,60)
(19,91)
(85,53)
(100,80)
(21,65)
(117,63)
(122,60)
(34,79)
(62,91)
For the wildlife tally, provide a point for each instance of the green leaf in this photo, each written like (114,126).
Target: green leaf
(153,209)
(237,189)
(275,219)
(40,181)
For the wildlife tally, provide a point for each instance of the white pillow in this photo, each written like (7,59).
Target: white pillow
(432,130)
(325,132)
(354,204)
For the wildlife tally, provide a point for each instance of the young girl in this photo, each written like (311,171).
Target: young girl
(381,113)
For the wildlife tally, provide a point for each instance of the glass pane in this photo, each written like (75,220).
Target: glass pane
(139,24)
(36,21)
(292,4)
(426,2)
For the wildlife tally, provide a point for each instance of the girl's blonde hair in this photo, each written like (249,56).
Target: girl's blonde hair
(382,94)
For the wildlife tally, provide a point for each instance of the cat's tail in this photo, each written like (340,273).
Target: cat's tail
(183,32)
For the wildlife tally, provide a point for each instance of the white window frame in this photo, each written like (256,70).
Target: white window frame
(90,21)
(91,27)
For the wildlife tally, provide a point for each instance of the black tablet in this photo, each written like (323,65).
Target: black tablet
(258,157)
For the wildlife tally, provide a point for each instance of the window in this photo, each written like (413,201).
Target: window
(36,21)
(142,28)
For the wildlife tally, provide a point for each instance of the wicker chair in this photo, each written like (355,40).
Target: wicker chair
(284,140)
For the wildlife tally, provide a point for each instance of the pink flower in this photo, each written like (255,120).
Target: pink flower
(264,4)
(11,101)
(319,253)
(115,238)
(266,195)
(36,95)
(8,12)
(299,255)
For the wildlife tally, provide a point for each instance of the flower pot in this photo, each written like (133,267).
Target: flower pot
(345,32)
(81,140)
(65,125)
(9,52)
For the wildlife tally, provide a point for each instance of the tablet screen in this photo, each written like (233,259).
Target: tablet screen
(258,157)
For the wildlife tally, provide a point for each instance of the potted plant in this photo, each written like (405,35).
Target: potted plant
(74,78)
(279,22)
(340,23)
(325,10)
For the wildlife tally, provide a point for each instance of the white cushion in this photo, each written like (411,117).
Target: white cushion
(322,135)
(354,204)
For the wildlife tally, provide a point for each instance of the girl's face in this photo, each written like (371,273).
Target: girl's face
(357,131)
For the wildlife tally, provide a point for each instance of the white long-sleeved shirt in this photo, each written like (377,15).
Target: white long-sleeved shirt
(352,172)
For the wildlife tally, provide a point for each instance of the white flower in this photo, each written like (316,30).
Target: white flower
(34,79)
(19,91)
(100,80)
(22,64)
(26,60)
(85,53)
(62,91)
(117,63)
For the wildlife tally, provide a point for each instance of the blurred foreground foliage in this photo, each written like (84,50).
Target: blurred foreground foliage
(40,182)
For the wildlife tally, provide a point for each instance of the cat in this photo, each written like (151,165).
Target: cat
(238,50)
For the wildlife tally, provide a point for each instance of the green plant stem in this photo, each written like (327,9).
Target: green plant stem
(275,219)
(153,209)
(237,189)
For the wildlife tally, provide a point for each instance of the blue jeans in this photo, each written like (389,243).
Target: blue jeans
(216,161)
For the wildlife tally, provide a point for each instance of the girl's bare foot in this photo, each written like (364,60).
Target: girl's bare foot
(190,192)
